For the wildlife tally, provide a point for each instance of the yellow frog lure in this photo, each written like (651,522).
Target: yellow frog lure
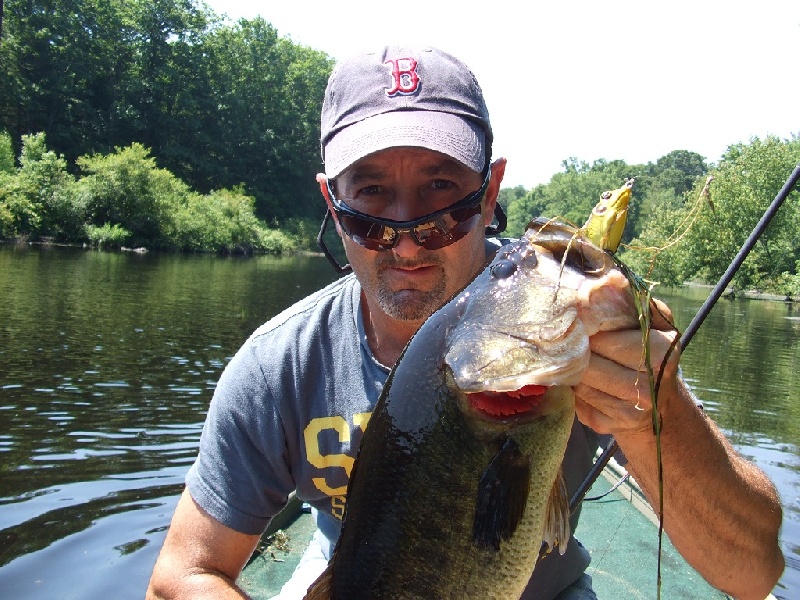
(605,225)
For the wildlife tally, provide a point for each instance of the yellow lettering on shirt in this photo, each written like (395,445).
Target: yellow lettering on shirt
(360,420)
(323,461)
(337,506)
(326,461)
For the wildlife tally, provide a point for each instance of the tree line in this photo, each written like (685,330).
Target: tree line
(124,198)
(687,219)
(219,105)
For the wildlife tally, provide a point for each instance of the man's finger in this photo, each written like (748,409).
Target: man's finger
(625,347)
(617,381)
(662,316)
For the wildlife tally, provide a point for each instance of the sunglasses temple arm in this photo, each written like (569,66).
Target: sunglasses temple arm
(502,221)
(321,243)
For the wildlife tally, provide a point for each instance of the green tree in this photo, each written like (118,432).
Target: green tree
(572,194)
(126,188)
(663,184)
(507,195)
(39,198)
(166,89)
(218,105)
(269,95)
(18,214)
(224,221)
(62,61)
(679,171)
(6,153)
(745,182)
(520,211)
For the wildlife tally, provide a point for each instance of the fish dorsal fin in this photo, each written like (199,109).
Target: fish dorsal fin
(502,495)
(321,588)
(556,524)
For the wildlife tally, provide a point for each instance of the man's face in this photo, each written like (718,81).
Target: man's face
(409,282)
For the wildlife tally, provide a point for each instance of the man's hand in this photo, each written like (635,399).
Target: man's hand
(614,394)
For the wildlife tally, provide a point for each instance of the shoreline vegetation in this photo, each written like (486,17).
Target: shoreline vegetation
(686,221)
(124,200)
(49,243)
(731,292)
(166,126)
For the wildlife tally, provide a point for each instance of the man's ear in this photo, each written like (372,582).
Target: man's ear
(493,189)
(322,180)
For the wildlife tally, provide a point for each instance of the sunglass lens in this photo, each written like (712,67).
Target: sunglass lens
(450,228)
(372,236)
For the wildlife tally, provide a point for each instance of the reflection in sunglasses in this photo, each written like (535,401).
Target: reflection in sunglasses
(434,231)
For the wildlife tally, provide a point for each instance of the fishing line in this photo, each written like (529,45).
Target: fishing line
(698,319)
(622,480)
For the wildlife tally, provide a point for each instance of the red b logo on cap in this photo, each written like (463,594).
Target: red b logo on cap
(405,80)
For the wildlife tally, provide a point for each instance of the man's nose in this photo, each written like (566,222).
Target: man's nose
(407,246)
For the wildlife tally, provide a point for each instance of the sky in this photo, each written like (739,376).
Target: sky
(587,79)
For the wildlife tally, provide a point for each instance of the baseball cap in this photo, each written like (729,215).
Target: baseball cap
(404,96)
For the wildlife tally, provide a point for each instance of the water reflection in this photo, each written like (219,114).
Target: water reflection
(107,365)
(108,362)
(744,364)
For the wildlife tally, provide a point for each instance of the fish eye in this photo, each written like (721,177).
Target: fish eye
(503,269)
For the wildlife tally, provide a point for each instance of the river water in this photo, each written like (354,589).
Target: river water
(108,362)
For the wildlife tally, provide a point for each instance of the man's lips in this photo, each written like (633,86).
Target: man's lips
(506,404)
(411,270)
(398,274)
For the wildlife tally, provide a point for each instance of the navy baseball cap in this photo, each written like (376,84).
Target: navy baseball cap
(402,96)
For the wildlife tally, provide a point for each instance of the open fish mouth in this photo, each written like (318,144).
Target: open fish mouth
(485,359)
(503,405)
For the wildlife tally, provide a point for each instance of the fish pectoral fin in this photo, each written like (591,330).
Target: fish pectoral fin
(502,494)
(556,524)
(321,588)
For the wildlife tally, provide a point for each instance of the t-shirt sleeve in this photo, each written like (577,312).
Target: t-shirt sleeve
(241,475)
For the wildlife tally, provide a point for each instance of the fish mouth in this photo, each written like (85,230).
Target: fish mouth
(545,352)
(504,405)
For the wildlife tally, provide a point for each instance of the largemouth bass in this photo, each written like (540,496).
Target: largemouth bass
(457,482)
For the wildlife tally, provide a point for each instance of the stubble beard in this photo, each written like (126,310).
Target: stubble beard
(408,305)
(411,305)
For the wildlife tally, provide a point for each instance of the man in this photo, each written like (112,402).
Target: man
(406,133)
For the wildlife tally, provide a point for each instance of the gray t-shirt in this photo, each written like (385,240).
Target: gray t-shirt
(289,412)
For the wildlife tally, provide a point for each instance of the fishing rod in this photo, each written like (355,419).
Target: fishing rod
(698,319)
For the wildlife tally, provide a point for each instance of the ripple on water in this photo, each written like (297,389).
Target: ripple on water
(112,384)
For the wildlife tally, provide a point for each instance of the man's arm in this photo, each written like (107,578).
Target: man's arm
(721,512)
(201,557)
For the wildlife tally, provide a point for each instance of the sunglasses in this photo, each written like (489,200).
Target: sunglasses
(433,231)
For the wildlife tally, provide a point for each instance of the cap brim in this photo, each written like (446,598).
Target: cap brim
(443,132)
